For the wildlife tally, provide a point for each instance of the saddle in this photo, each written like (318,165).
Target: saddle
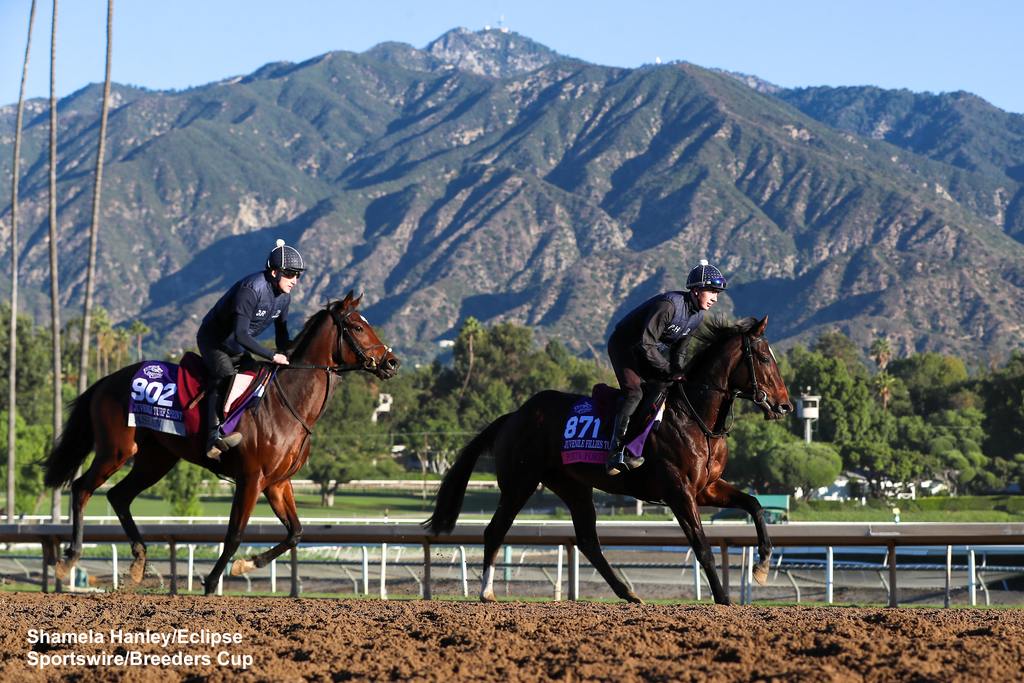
(166,397)
(588,425)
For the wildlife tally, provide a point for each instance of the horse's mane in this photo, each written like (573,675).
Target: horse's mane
(709,338)
(301,340)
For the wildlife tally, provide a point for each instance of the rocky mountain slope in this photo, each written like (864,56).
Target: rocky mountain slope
(487,175)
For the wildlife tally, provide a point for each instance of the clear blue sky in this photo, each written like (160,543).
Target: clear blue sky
(923,45)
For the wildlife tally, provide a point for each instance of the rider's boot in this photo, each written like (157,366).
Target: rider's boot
(621,460)
(216,442)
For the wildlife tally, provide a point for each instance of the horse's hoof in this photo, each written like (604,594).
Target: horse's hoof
(761,573)
(488,597)
(240,567)
(137,570)
(62,570)
(633,598)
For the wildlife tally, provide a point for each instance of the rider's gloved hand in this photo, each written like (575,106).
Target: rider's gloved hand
(280,359)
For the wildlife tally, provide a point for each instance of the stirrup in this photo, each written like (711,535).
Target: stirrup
(223,444)
(623,461)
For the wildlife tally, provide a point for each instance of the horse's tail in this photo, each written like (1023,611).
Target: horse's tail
(453,488)
(74,445)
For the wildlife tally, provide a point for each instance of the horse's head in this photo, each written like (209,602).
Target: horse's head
(358,342)
(756,375)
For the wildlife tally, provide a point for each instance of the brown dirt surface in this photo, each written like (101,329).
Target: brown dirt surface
(321,639)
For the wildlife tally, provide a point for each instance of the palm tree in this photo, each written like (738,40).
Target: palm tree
(884,383)
(881,352)
(58,403)
(12,374)
(83,359)
(138,329)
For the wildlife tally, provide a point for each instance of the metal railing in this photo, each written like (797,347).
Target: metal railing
(560,534)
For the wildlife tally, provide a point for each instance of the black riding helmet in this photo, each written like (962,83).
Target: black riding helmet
(706,276)
(285,259)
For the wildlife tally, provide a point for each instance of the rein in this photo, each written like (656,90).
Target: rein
(757,395)
(364,362)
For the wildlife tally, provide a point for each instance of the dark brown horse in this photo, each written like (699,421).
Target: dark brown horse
(275,443)
(685,457)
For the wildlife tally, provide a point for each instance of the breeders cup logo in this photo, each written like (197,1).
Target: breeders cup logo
(583,408)
(153,371)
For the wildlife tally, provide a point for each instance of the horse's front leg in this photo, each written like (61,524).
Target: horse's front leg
(722,494)
(282,502)
(247,491)
(684,506)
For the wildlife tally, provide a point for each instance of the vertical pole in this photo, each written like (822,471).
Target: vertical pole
(725,567)
(383,571)
(220,580)
(366,570)
(507,557)
(113,563)
(696,577)
(172,546)
(972,577)
(191,562)
(829,575)
(558,575)
(574,572)
(58,585)
(742,575)
(426,571)
(46,569)
(294,592)
(465,572)
(750,575)
(949,574)
(273,575)
(893,598)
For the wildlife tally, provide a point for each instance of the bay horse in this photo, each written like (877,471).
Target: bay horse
(684,458)
(275,438)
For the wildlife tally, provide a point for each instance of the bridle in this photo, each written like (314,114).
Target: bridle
(364,361)
(757,395)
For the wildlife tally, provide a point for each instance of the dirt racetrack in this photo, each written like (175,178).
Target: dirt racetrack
(320,639)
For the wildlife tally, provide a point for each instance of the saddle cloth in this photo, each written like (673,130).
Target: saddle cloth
(165,396)
(587,435)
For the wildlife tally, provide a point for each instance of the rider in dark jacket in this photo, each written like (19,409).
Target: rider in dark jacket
(229,330)
(649,345)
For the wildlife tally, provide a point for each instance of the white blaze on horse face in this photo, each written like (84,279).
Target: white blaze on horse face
(365,321)
(773,354)
(487,582)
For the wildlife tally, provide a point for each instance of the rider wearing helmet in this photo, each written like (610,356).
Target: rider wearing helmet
(649,346)
(229,330)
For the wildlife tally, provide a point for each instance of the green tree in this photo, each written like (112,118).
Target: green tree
(847,409)
(347,444)
(881,353)
(181,488)
(1004,408)
(32,441)
(931,379)
(34,377)
(802,465)
(838,346)
(749,440)
(12,312)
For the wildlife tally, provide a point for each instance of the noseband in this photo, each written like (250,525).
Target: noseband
(365,360)
(756,394)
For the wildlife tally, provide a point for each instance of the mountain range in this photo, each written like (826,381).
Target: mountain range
(487,175)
